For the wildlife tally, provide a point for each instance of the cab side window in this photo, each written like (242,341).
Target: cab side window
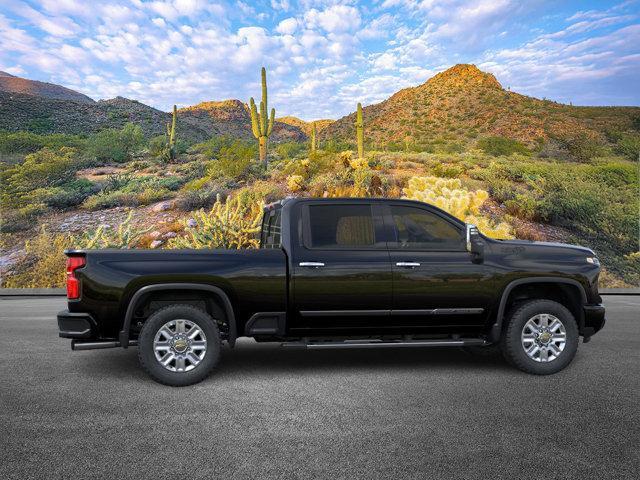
(341,226)
(419,229)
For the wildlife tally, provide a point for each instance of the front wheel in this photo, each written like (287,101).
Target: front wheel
(179,345)
(541,337)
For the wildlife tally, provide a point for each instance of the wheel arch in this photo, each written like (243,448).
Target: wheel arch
(216,292)
(565,283)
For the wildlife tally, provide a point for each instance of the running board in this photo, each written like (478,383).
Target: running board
(462,342)
(80,345)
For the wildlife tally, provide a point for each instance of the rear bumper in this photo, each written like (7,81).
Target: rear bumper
(76,325)
(594,319)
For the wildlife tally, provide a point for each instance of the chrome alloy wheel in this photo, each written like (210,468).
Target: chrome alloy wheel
(543,337)
(180,345)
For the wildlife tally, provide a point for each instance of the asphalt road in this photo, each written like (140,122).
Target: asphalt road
(269,412)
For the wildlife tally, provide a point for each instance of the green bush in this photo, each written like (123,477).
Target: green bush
(157,145)
(122,198)
(289,150)
(233,160)
(447,170)
(116,145)
(28,142)
(629,146)
(67,195)
(211,148)
(582,146)
(43,169)
(498,146)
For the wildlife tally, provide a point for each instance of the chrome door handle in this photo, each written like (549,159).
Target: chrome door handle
(311,264)
(407,264)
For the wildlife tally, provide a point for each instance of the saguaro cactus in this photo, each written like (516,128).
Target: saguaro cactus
(171,135)
(260,124)
(360,132)
(314,140)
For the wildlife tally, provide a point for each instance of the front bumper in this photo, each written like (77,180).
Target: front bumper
(76,325)
(594,320)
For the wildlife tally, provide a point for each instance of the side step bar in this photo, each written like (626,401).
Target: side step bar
(462,342)
(80,345)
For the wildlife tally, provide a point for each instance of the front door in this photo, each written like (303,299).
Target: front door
(435,282)
(342,273)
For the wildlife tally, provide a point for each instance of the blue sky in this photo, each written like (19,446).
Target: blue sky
(321,56)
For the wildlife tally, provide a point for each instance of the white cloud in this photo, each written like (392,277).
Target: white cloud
(287,26)
(280,5)
(335,19)
(56,26)
(159,22)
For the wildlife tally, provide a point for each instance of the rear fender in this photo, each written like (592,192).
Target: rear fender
(216,291)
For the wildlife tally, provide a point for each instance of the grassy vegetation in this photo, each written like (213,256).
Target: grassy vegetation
(595,200)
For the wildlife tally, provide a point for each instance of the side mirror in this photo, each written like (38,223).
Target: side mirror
(475,244)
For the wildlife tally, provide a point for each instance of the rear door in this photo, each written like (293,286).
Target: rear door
(435,282)
(341,271)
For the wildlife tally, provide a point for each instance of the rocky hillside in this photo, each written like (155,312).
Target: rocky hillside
(16,85)
(46,108)
(20,111)
(232,118)
(305,126)
(464,103)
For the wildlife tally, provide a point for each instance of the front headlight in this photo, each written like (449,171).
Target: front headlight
(593,260)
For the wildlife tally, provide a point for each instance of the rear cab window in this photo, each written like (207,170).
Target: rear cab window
(271,235)
(342,226)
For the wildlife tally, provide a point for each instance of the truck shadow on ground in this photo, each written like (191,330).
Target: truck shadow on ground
(269,360)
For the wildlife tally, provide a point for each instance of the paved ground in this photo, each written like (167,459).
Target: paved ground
(275,413)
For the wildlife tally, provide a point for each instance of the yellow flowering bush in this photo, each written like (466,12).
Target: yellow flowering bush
(295,183)
(227,225)
(449,195)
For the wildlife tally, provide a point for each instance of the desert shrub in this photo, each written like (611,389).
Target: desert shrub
(23,218)
(211,148)
(226,225)
(596,201)
(449,195)
(233,160)
(581,146)
(27,142)
(68,195)
(44,265)
(42,169)
(116,145)
(523,206)
(259,192)
(336,146)
(295,183)
(125,235)
(498,146)
(125,198)
(189,200)
(289,150)
(157,145)
(447,170)
(629,146)
(110,200)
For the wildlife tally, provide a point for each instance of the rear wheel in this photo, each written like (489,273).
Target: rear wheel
(541,337)
(179,345)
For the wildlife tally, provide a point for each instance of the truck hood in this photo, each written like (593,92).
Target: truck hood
(531,245)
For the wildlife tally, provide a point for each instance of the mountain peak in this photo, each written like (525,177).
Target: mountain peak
(465,75)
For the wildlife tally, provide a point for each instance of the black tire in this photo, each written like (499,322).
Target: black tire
(151,364)
(512,345)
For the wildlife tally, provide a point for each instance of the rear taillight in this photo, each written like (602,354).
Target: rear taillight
(73,284)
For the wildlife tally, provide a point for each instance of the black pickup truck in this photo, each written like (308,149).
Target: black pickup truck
(338,273)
